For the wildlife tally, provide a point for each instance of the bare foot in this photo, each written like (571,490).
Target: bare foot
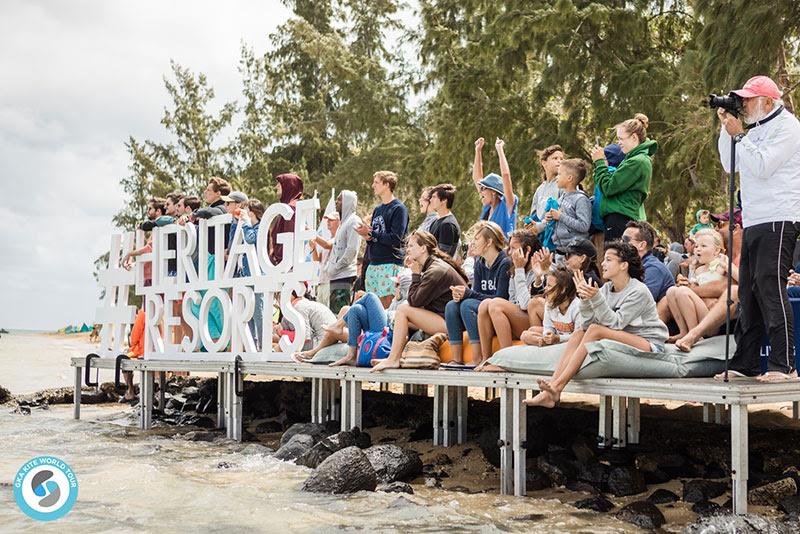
(350,359)
(304,356)
(387,363)
(544,399)
(544,385)
(672,339)
(688,341)
(489,368)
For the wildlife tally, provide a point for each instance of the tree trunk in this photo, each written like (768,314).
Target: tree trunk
(783,78)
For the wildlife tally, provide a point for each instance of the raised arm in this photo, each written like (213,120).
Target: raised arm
(505,173)
(477,165)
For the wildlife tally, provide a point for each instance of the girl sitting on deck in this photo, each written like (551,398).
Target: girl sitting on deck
(561,313)
(688,303)
(490,280)
(623,310)
(433,273)
(508,318)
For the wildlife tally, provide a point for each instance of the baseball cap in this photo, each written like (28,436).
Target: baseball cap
(493,182)
(334,215)
(234,196)
(724,216)
(613,154)
(759,86)
(581,247)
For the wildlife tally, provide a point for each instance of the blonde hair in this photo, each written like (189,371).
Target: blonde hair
(637,125)
(490,231)
(714,235)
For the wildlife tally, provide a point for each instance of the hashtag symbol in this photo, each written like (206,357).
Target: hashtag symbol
(116,314)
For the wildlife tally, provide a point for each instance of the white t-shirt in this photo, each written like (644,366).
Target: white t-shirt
(562,324)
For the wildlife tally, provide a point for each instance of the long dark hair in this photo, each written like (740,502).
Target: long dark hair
(426,239)
(563,290)
(628,253)
(528,242)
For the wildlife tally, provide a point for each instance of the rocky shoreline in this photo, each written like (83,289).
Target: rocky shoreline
(679,474)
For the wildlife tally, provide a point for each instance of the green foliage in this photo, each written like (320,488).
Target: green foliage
(331,98)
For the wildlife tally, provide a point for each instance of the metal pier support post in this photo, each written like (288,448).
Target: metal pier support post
(438,415)
(317,400)
(620,425)
(796,410)
(351,404)
(519,440)
(334,412)
(708,412)
(739,457)
(221,401)
(721,416)
(76,395)
(146,399)
(162,389)
(605,422)
(506,435)
(634,424)
(235,407)
(462,405)
(449,412)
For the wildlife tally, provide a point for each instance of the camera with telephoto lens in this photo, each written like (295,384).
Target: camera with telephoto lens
(732,103)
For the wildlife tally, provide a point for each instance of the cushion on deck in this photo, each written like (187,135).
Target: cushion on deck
(611,359)
(330,354)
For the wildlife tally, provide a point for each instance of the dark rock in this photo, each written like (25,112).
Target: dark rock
(345,471)
(597,503)
(191,392)
(741,524)
(256,448)
(663,496)
(656,477)
(424,431)
(297,446)
(315,430)
(225,465)
(558,466)
(595,474)
(268,427)
(615,457)
(392,463)
(442,459)
(583,453)
(713,470)
(329,445)
(623,481)
(790,506)
(536,480)
(702,490)
(387,439)
(706,508)
(396,487)
(488,442)
(5,395)
(198,435)
(176,402)
(643,514)
(466,451)
(773,493)
(673,464)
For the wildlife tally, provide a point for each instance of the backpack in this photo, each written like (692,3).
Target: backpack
(373,346)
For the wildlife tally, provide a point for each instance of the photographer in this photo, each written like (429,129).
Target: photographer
(768,161)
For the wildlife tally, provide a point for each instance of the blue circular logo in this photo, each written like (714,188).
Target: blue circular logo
(45,488)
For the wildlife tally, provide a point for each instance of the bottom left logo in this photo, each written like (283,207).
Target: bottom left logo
(45,488)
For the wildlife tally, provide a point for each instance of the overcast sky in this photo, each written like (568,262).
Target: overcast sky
(77,79)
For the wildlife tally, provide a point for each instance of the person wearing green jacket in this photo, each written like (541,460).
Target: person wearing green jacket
(625,190)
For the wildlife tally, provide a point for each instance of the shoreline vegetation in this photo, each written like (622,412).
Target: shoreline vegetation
(678,476)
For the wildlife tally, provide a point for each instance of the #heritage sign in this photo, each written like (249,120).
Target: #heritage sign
(203,284)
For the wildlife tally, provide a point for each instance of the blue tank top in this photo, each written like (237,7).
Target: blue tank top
(507,222)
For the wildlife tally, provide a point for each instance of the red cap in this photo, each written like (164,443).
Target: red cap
(759,86)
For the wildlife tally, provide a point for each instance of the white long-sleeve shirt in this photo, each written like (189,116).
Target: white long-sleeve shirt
(768,161)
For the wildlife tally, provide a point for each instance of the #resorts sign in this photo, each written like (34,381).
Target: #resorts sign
(203,278)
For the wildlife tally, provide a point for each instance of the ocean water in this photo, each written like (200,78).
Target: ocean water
(135,481)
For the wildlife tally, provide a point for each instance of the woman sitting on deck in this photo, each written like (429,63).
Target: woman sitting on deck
(622,310)
(433,273)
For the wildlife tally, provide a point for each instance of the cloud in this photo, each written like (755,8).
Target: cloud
(79,77)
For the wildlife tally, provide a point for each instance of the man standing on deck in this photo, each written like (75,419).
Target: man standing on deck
(768,161)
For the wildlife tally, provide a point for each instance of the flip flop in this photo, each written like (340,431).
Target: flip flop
(776,376)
